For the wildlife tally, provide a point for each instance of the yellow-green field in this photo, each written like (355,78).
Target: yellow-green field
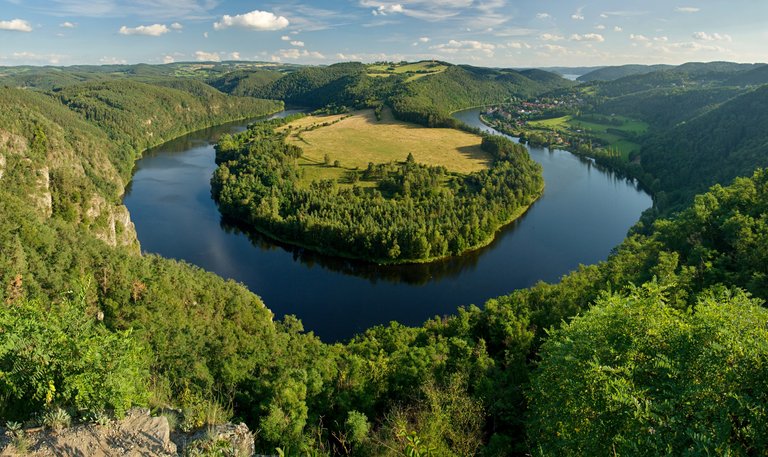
(415,70)
(357,140)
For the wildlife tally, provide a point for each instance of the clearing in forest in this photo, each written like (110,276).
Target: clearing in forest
(359,139)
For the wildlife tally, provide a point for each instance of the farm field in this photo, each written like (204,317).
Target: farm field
(359,139)
(615,135)
(415,70)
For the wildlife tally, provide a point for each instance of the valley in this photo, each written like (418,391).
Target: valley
(401,281)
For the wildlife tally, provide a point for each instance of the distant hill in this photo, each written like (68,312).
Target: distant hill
(578,71)
(244,82)
(613,73)
(754,77)
(50,77)
(427,96)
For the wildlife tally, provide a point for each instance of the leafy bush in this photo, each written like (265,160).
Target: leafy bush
(60,354)
(635,376)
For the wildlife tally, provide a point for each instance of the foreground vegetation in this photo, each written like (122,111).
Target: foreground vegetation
(660,349)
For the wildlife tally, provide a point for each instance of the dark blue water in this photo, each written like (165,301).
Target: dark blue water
(585,212)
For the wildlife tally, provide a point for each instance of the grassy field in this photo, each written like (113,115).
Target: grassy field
(357,140)
(415,70)
(616,139)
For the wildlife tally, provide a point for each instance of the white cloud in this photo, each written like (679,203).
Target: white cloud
(176,26)
(578,16)
(661,39)
(639,38)
(286,38)
(600,27)
(424,39)
(687,9)
(297,43)
(430,10)
(704,36)
(168,59)
(596,37)
(454,46)
(256,20)
(383,10)
(543,16)
(112,61)
(294,54)
(550,37)
(617,29)
(147,30)
(202,56)
(16,25)
(234,56)
(53,59)
(205,34)
(553,49)
(518,45)
(68,25)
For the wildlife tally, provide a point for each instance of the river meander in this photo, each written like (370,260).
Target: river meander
(585,211)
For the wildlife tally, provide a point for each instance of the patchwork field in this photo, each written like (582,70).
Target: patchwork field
(414,70)
(615,135)
(359,139)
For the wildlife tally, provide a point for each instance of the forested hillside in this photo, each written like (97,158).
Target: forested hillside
(427,100)
(613,73)
(727,142)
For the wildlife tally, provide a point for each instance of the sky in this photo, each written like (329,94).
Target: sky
(497,33)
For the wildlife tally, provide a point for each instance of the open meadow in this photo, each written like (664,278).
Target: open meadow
(359,139)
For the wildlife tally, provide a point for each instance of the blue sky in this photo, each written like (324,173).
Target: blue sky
(501,33)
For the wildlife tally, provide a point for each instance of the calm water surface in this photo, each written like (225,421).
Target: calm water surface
(585,212)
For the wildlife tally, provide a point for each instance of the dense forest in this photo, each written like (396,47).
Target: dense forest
(416,212)
(660,349)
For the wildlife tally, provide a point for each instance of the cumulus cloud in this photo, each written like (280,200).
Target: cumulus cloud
(596,37)
(543,16)
(383,10)
(234,56)
(687,9)
(454,46)
(255,20)
(704,36)
(176,26)
(639,38)
(286,38)
(297,43)
(550,37)
(600,27)
(147,30)
(202,56)
(68,25)
(424,39)
(168,59)
(617,29)
(578,16)
(16,25)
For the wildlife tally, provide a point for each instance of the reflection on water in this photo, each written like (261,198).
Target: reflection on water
(585,211)
(414,274)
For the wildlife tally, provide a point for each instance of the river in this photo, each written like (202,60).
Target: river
(585,212)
